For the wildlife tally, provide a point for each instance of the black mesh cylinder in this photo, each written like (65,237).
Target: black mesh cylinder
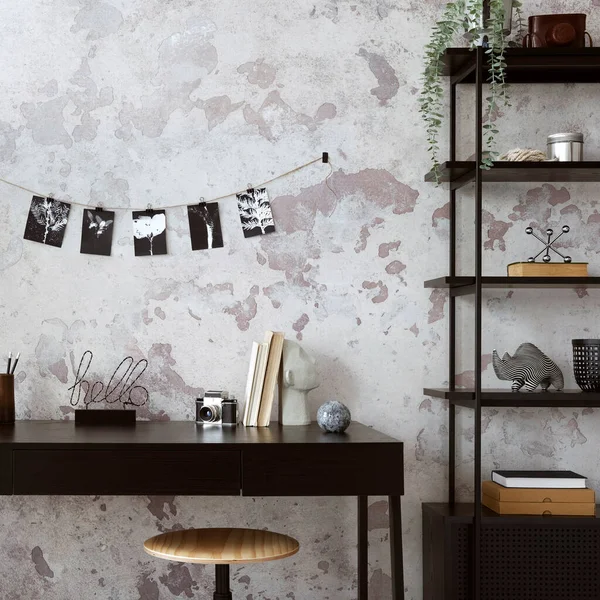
(586,364)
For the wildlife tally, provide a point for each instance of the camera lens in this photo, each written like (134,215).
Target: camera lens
(210,414)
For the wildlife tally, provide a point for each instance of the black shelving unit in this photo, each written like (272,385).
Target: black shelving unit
(440,545)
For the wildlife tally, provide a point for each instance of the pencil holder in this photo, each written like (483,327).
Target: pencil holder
(7,398)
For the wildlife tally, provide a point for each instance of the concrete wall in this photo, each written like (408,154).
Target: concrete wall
(148,101)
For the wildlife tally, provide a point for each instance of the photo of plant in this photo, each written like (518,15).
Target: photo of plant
(255,212)
(97,232)
(149,232)
(47,221)
(205,226)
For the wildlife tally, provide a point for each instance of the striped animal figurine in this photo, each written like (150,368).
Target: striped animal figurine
(528,368)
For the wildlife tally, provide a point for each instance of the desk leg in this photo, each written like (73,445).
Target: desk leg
(396,548)
(363,547)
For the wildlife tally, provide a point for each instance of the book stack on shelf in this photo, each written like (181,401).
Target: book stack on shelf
(538,493)
(535,269)
(263,375)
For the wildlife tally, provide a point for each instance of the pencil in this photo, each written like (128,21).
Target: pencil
(15,363)
(8,366)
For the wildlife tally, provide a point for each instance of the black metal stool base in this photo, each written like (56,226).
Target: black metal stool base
(222,579)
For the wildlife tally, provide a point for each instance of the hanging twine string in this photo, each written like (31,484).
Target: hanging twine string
(264,183)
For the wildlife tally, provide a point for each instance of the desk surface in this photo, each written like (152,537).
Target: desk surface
(59,457)
(41,434)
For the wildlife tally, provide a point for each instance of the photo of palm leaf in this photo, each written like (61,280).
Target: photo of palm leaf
(47,221)
(255,212)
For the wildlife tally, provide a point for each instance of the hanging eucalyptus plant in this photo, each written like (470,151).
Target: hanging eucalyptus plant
(466,17)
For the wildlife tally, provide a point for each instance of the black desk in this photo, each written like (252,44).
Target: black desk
(180,458)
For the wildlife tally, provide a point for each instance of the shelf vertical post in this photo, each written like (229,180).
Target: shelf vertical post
(486,10)
(452,311)
(478,321)
(485,17)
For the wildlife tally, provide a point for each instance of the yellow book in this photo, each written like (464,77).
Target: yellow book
(273,367)
(534,269)
(584,509)
(503,494)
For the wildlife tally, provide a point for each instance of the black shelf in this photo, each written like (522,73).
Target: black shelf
(466,285)
(462,172)
(449,282)
(463,512)
(530,65)
(503,398)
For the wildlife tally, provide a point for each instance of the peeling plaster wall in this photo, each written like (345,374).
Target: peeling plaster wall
(130,103)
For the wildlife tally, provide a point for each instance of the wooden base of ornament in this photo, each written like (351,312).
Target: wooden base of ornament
(105,417)
(534,269)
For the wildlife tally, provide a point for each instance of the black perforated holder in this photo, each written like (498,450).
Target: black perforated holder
(586,364)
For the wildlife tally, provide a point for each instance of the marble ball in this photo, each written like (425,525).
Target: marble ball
(333,417)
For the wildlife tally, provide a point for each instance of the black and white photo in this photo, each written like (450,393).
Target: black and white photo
(97,232)
(47,221)
(205,226)
(255,212)
(149,232)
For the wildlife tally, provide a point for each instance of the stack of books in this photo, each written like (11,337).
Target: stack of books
(265,366)
(534,269)
(538,493)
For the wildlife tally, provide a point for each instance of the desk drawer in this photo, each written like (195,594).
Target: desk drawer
(126,472)
(326,470)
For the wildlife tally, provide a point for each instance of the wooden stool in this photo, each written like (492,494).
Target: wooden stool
(221,547)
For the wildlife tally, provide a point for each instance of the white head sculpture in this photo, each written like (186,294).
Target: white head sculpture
(299,377)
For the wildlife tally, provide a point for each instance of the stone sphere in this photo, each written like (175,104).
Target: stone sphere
(333,417)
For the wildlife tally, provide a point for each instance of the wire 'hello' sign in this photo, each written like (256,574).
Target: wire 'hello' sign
(121,386)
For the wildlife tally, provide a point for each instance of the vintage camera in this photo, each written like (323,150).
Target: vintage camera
(562,31)
(217,408)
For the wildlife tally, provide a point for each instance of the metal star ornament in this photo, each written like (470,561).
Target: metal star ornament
(548,244)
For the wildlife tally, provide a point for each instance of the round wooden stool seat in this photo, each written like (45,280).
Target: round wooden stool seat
(221,546)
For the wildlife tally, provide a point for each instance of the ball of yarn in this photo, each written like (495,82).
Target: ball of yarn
(524,154)
(333,417)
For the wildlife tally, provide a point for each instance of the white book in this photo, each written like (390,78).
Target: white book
(539,479)
(259,381)
(250,383)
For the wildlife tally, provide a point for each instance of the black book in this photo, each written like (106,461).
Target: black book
(539,479)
